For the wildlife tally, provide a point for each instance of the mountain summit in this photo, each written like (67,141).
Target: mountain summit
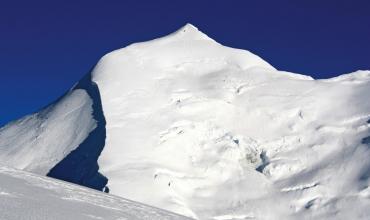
(188,32)
(211,132)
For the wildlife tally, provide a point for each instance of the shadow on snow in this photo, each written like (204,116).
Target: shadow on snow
(80,166)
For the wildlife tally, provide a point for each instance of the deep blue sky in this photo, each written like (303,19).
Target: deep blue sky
(46,46)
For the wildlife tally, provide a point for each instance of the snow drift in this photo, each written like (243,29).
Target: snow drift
(211,132)
(25,196)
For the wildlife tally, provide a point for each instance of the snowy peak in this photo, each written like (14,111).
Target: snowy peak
(188,33)
(187,50)
(186,124)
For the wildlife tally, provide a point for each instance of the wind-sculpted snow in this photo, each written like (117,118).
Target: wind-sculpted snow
(39,141)
(25,196)
(213,132)
(64,140)
(80,166)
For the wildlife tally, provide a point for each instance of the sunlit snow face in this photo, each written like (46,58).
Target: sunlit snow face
(217,133)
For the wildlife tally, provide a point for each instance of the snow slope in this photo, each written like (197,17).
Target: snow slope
(210,132)
(63,140)
(29,143)
(28,196)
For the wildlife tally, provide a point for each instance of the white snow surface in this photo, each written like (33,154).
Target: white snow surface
(213,132)
(39,141)
(25,196)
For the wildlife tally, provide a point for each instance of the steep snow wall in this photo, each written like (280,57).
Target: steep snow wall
(63,140)
(39,141)
(80,166)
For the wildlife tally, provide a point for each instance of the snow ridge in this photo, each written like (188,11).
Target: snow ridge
(80,166)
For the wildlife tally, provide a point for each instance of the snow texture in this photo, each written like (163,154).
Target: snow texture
(80,166)
(209,132)
(39,141)
(25,196)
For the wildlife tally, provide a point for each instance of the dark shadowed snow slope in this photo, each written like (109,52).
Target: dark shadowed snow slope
(80,166)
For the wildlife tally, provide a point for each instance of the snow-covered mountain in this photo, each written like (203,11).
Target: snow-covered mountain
(211,132)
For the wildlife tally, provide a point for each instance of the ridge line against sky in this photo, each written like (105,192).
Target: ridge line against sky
(46,46)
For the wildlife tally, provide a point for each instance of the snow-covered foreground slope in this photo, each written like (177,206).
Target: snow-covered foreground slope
(208,131)
(28,196)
